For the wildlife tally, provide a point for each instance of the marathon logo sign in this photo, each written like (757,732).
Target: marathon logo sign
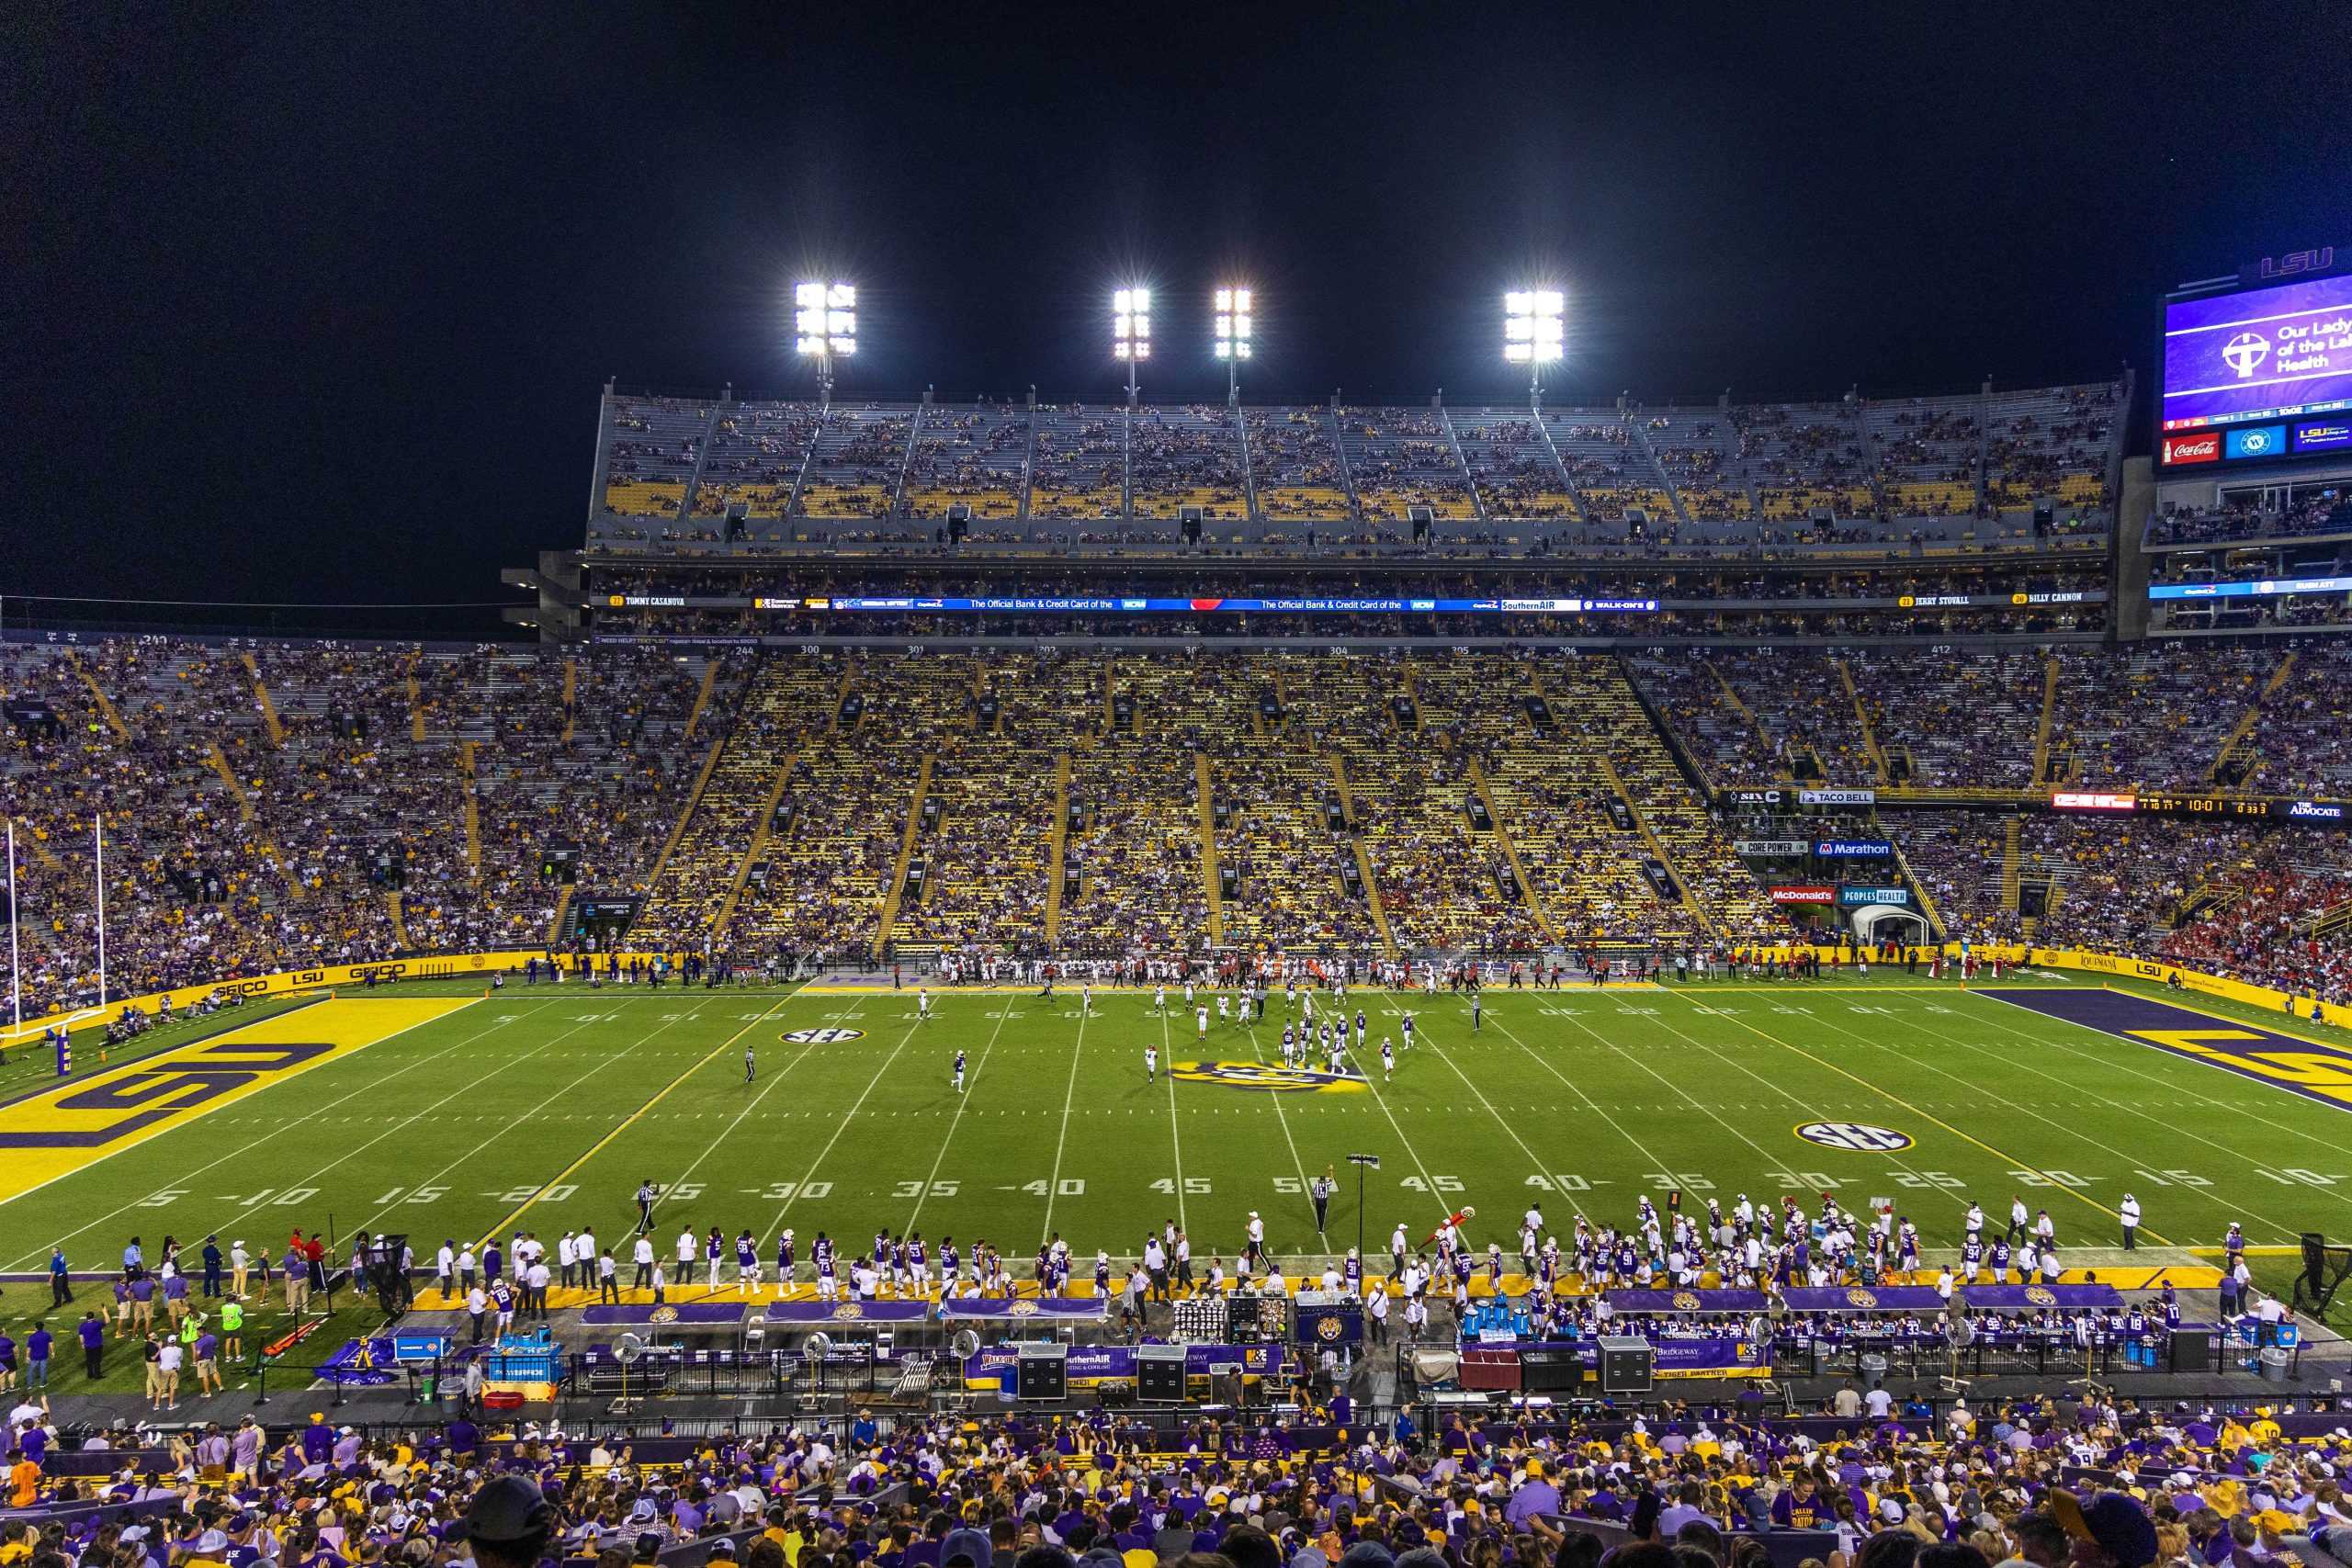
(1853,849)
(2300,1066)
(1837,797)
(1807,892)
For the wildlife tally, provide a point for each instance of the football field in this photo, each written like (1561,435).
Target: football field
(453,1114)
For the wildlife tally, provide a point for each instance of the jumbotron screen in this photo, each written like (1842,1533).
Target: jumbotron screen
(2257,375)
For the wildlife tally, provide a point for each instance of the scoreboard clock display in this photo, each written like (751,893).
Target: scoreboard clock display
(2203,804)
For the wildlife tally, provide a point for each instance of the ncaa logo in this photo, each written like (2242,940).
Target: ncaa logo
(2245,353)
(1854,1137)
(822,1036)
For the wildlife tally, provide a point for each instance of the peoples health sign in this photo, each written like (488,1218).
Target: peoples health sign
(2265,354)
(1860,898)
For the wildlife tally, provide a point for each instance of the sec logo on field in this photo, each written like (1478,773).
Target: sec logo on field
(822,1036)
(1854,1137)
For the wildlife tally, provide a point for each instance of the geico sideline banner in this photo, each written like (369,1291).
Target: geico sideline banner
(437,966)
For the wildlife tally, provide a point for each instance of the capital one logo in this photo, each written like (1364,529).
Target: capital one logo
(2245,353)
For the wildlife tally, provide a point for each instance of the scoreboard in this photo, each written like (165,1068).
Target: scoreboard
(2258,370)
(2172,803)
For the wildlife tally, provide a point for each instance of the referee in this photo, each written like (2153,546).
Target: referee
(646,1193)
(1321,1188)
(1474,1004)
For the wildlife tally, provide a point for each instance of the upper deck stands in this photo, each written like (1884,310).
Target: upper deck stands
(1927,451)
(756,453)
(1401,459)
(654,445)
(1609,464)
(1187,457)
(854,468)
(1296,457)
(973,456)
(1510,464)
(1802,457)
(1080,467)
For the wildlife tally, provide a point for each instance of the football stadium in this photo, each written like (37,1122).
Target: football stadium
(1166,967)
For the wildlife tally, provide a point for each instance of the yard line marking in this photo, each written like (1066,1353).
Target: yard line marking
(1534,1164)
(1168,1058)
(1736,1131)
(840,1127)
(1054,1183)
(316,1114)
(962,1100)
(417,1116)
(631,1120)
(2013,1162)
(1279,1115)
(712,1146)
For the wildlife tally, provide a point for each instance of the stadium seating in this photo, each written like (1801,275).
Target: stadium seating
(2054,443)
(1927,450)
(1080,471)
(651,454)
(1699,453)
(1188,457)
(976,457)
(1511,464)
(856,462)
(1609,462)
(1397,459)
(1801,458)
(757,451)
(1296,457)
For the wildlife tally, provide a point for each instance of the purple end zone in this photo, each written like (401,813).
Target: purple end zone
(2307,1067)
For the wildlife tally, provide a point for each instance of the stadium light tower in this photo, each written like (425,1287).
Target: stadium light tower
(1233,323)
(824,320)
(1131,330)
(1534,334)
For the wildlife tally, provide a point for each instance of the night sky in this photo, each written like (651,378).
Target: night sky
(312,305)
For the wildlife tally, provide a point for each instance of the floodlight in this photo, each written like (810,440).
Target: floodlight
(1224,349)
(1241,301)
(809,294)
(1224,299)
(809,321)
(842,296)
(1517,351)
(1533,331)
(1123,301)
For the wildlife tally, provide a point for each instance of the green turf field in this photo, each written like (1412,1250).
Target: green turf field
(545,1108)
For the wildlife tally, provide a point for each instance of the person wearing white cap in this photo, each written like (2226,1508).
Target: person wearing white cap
(1254,1255)
(2129,1213)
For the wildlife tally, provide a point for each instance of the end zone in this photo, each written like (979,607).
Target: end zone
(2309,1068)
(55,1131)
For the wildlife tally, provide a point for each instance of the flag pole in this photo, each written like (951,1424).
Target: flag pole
(98,832)
(16,975)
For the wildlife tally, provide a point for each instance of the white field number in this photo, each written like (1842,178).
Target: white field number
(785,1191)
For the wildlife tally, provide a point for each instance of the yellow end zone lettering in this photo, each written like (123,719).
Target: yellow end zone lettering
(85,1118)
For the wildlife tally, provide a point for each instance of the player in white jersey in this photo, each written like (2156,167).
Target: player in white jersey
(1188,993)
(922,1005)
(1086,998)
(1224,1007)
(1160,998)
(1150,1064)
(1306,1005)
(1201,1016)
(1387,1060)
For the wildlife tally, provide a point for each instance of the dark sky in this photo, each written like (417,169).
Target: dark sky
(314,303)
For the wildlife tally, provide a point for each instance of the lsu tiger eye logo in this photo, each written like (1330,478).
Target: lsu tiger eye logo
(1267,1076)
